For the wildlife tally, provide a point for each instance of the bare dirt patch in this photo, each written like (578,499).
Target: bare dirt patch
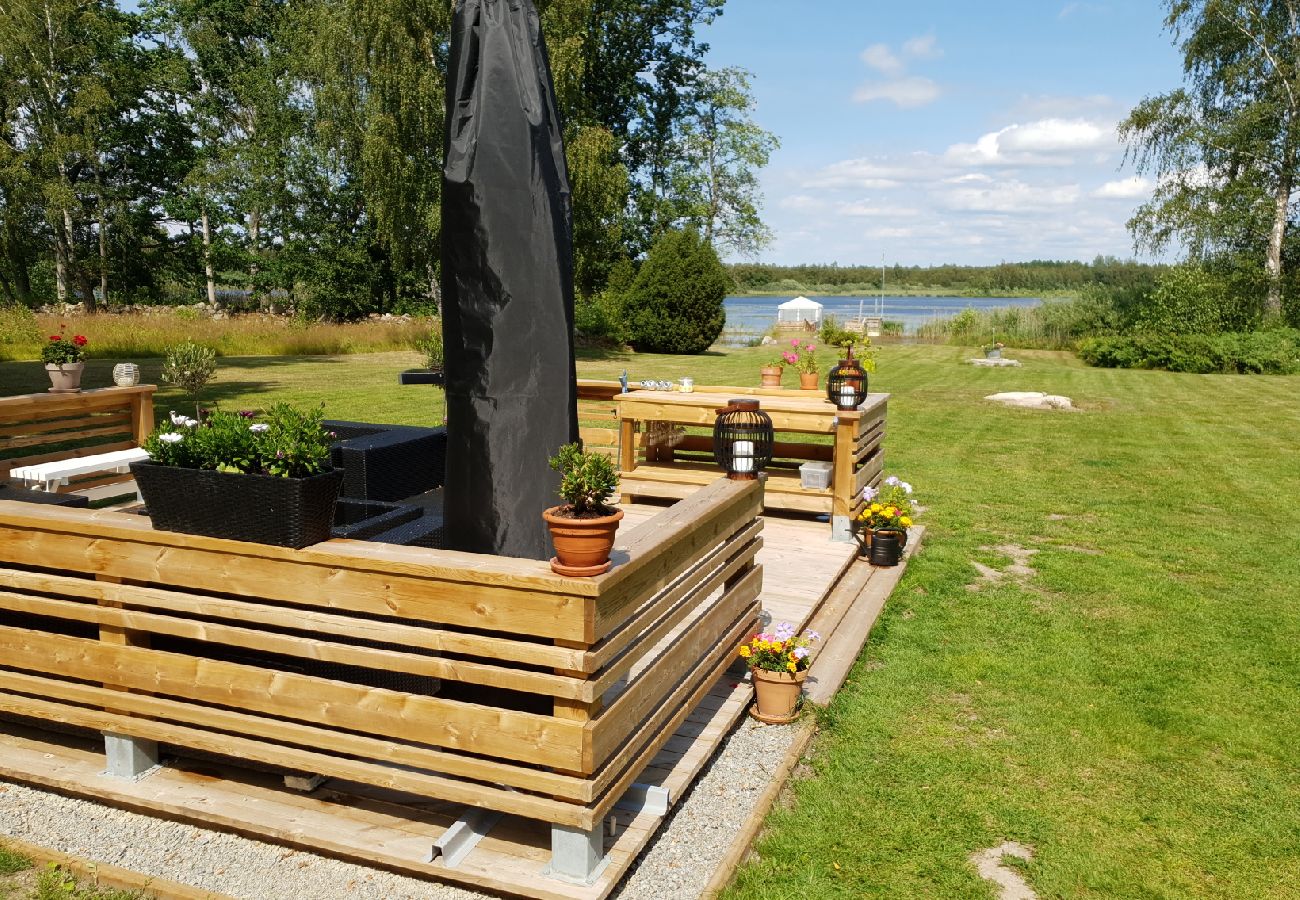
(1011,884)
(1018,570)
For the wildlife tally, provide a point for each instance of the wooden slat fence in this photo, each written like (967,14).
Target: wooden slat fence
(475,679)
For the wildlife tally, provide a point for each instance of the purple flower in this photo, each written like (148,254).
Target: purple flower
(279,454)
(869,493)
(800,652)
(784,631)
(892,481)
(246,414)
(814,636)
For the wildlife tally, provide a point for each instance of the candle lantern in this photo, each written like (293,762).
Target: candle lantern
(742,439)
(846,385)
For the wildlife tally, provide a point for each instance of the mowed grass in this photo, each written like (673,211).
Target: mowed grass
(1129,711)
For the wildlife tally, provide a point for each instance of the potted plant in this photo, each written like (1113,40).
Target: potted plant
(64,362)
(881,528)
(771,371)
(431,348)
(778,664)
(583,527)
(806,364)
(994,350)
(232,476)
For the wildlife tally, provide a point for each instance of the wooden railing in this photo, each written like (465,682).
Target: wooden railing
(474,679)
(37,428)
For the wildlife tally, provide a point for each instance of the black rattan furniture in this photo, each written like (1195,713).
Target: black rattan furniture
(743,439)
(388,462)
(363,519)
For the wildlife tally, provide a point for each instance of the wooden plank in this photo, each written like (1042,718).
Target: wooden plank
(269,754)
(447,565)
(869,473)
(626,765)
(54,426)
(686,599)
(541,740)
(318,826)
(739,549)
(298,619)
(241,569)
(666,546)
(82,400)
(312,737)
(598,437)
(313,647)
(42,440)
(644,695)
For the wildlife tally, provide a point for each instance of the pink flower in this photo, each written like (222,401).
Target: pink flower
(789,357)
(794,342)
(809,349)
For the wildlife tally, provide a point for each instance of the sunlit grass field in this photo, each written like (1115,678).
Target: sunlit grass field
(1130,709)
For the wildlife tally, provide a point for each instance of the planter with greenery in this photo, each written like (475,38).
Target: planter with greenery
(64,363)
(778,664)
(994,350)
(232,476)
(583,527)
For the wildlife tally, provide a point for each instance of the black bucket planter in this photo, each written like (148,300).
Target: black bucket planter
(886,548)
(262,509)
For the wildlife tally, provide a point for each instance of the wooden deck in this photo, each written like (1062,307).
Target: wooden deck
(391,827)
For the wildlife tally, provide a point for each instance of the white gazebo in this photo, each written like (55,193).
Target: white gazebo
(799,313)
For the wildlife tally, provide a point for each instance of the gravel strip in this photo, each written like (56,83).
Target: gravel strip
(678,862)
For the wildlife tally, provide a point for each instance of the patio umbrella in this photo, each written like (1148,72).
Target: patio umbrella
(507,278)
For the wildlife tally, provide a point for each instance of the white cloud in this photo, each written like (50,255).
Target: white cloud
(1012,197)
(1071,8)
(922,47)
(906,93)
(867,174)
(1045,142)
(903,90)
(1124,189)
(882,59)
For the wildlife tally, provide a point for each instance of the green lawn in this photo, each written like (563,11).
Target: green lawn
(1129,711)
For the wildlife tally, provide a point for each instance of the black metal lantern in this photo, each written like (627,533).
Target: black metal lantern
(846,386)
(742,439)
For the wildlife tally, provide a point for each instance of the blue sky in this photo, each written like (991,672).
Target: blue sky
(937,131)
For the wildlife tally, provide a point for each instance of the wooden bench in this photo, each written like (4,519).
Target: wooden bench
(37,430)
(50,476)
(675,465)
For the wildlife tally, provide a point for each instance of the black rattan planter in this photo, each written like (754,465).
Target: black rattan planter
(262,509)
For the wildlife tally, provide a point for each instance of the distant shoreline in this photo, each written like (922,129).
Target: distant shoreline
(908,292)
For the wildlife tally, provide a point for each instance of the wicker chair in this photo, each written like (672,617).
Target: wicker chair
(388,462)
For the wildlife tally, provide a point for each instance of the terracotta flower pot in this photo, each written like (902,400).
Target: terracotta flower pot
(808,381)
(771,376)
(777,695)
(581,545)
(65,379)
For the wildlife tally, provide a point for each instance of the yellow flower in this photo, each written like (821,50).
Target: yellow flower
(906,522)
(791,666)
(744,651)
(876,507)
(891,512)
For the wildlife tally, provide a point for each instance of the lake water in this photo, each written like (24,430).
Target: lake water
(757,314)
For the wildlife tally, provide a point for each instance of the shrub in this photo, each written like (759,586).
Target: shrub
(190,367)
(675,302)
(587,480)
(1250,353)
(599,317)
(18,326)
(431,348)
(291,443)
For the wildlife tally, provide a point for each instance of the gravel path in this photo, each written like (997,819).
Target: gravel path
(678,863)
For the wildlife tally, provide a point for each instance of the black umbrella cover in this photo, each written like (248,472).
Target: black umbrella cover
(507,276)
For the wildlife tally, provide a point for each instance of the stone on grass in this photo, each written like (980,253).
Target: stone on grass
(1031,400)
(987,363)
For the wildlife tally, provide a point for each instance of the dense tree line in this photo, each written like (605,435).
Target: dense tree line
(293,147)
(1037,276)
